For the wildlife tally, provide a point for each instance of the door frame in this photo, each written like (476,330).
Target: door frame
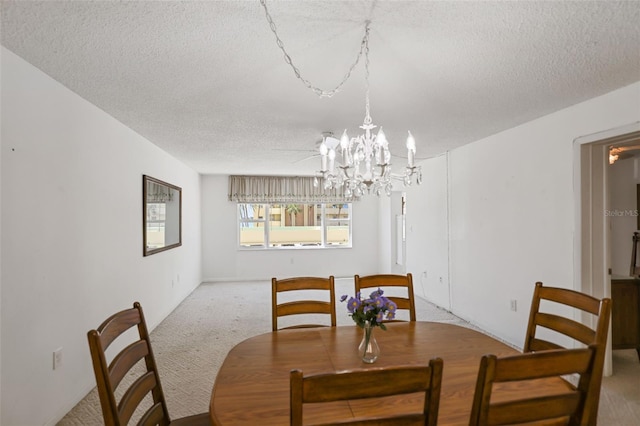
(592,245)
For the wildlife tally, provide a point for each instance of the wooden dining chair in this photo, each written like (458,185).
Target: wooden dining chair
(367,384)
(306,304)
(389,283)
(584,305)
(495,405)
(142,391)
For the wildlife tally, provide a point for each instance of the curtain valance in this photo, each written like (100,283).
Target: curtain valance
(281,189)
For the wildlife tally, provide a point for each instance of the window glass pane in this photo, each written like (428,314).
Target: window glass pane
(251,218)
(251,211)
(252,236)
(338,235)
(338,212)
(294,225)
(276,214)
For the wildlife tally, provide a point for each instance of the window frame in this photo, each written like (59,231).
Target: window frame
(266,224)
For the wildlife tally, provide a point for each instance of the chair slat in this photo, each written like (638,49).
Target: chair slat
(549,407)
(304,307)
(408,420)
(117,324)
(542,345)
(303,283)
(125,360)
(365,384)
(567,327)
(572,298)
(548,363)
(153,416)
(135,394)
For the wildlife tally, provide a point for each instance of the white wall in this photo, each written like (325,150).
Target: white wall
(1,151)
(72,238)
(511,212)
(624,222)
(427,233)
(397,246)
(385,236)
(222,261)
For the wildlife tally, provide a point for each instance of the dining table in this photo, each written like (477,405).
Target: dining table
(252,385)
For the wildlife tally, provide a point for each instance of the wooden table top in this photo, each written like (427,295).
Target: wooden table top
(252,385)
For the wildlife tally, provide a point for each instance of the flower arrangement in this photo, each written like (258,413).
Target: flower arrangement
(373,310)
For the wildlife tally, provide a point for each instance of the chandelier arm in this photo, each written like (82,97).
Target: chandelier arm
(320,92)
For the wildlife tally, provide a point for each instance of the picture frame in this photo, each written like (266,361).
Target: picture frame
(161,216)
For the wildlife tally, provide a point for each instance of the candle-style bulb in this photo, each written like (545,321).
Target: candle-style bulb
(344,140)
(381,139)
(324,150)
(411,149)
(411,143)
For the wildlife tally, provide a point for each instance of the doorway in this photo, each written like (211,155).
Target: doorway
(592,236)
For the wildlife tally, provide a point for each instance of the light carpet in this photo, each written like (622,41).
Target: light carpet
(192,342)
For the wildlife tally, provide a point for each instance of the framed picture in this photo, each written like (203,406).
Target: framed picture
(161,215)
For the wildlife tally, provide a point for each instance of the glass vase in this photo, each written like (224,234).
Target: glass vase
(368,349)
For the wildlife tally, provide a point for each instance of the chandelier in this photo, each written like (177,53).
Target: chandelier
(361,164)
(365,160)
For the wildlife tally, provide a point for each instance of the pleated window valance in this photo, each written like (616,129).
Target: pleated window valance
(158,193)
(281,189)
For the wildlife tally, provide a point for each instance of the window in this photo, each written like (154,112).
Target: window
(294,225)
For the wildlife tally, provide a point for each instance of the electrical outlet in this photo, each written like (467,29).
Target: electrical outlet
(57,358)
(514,305)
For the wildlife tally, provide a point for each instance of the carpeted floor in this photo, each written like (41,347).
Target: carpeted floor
(192,342)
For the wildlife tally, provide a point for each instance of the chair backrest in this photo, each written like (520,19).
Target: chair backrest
(109,374)
(377,383)
(594,337)
(384,281)
(303,306)
(510,410)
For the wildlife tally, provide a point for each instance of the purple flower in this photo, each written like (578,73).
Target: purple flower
(391,306)
(353,304)
(344,297)
(376,294)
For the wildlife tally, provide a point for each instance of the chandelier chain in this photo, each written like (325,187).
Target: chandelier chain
(364,47)
(367,118)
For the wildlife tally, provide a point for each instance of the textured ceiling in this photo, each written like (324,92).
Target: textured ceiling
(206,82)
